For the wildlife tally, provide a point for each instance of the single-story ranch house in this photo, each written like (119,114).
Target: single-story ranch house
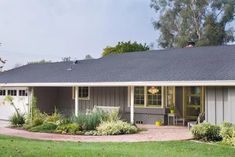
(143,84)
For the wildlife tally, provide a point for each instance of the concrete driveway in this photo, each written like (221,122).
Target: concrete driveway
(4,123)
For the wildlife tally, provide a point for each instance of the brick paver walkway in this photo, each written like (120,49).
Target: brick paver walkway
(153,133)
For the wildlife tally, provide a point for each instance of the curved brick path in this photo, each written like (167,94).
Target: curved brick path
(163,133)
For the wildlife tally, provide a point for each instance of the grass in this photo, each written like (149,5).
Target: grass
(12,146)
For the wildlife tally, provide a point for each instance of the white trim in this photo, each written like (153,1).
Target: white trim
(132,105)
(142,83)
(76,101)
(84,98)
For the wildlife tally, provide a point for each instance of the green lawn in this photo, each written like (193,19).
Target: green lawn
(17,147)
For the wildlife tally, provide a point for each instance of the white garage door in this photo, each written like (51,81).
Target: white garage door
(20,100)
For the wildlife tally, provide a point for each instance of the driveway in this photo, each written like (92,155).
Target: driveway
(3,123)
(153,133)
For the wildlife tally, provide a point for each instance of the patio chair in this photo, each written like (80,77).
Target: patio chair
(200,119)
(179,118)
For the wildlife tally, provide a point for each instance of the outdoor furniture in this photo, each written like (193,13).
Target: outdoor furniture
(179,118)
(173,116)
(108,109)
(200,119)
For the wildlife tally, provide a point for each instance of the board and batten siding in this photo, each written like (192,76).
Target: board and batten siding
(105,96)
(220,104)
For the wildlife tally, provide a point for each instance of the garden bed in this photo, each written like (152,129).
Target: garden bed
(95,123)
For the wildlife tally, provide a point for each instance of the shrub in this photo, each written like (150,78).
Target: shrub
(112,116)
(38,118)
(226,132)
(45,127)
(206,132)
(54,118)
(17,119)
(89,121)
(71,128)
(115,128)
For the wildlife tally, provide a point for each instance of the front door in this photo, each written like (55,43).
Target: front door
(193,102)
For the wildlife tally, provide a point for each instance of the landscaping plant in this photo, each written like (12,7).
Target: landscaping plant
(114,126)
(89,121)
(17,120)
(206,132)
(45,127)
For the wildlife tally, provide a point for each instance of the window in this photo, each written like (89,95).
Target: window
(139,96)
(154,96)
(2,92)
(170,96)
(148,96)
(12,92)
(22,93)
(83,93)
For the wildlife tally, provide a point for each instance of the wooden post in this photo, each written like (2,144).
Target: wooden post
(132,105)
(76,101)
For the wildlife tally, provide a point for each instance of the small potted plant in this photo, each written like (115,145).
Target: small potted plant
(172,109)
(158,123)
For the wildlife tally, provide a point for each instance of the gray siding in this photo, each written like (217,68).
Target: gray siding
(219,104)
(61,98)
(105,96)
(49,98)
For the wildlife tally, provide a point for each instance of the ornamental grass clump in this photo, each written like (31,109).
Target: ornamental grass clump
(114,126)
(206,132)
(227,132)
(17,120)
(89,121)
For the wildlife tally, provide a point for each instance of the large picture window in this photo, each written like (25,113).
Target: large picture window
(150,96)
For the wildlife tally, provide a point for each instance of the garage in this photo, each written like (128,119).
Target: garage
(20,99)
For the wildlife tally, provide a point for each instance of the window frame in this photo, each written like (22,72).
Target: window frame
(88,93)
(166,96)
(146,105)
(11,90)
(3,92)
(25,92)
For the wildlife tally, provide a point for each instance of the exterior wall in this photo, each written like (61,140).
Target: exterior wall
(105,96)
(61,98)
(219,104)
(49,98)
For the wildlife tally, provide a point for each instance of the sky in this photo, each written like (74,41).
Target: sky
(32,30)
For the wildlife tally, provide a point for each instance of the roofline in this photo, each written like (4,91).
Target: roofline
(109,84)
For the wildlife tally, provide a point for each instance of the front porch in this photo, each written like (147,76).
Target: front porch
(138,104)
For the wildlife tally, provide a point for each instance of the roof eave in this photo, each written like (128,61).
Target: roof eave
(140,83)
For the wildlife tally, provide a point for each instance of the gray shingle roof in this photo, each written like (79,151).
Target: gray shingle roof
(189,64)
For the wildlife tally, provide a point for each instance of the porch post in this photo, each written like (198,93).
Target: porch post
(30,101)
(132,105)
(76,101)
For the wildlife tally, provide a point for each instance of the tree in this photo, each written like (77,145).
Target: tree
(205,22)
(39,62)
(2,62)
(66,59)
(88,57)
(125,47)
